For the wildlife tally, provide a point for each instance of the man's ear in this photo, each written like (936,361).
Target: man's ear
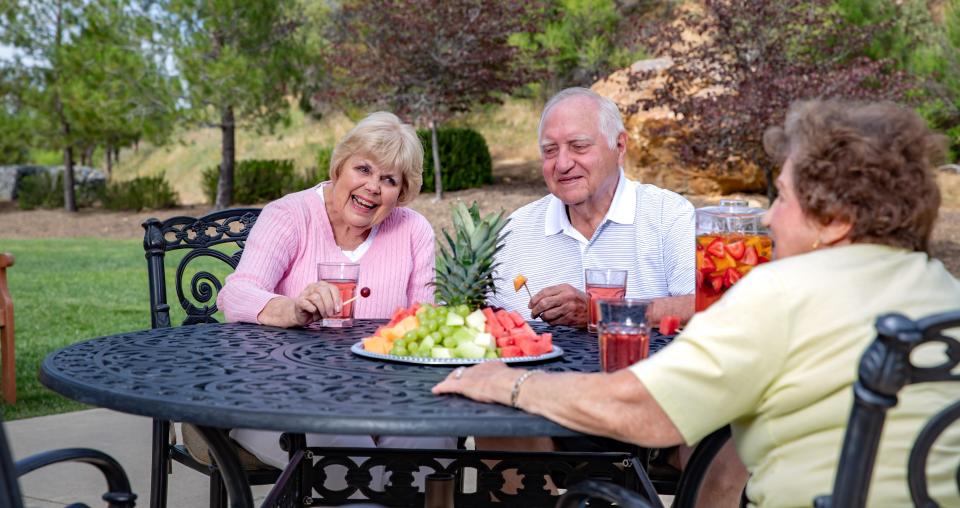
(621,148)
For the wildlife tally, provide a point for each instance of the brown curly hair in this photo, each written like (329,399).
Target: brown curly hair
(870,164)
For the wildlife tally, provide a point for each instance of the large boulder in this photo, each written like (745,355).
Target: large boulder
(651,156)
(87,180)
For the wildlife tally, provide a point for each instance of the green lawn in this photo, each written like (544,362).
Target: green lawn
(68,290)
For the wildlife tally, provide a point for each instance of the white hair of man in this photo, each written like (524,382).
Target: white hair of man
(608,114)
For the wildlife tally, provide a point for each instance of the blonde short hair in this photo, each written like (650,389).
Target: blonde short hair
(389,142)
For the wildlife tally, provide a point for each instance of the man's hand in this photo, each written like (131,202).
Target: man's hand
(562,304)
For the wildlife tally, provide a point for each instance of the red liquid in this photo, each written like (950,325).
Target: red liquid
(723,259)
(597,292)
(347,289)
(622,348)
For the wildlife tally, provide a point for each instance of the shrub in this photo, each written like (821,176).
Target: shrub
(44,190)
(315,175)
(254,181)
(40,190)
(141,192)
(465,160)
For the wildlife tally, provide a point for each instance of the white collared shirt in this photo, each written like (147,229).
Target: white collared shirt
(647,231)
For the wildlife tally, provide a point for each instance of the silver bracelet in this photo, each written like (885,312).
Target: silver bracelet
(515,394)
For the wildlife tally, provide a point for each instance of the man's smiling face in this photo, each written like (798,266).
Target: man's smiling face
(577,159)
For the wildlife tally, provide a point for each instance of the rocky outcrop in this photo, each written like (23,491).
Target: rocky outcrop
(86,178)
(651,154)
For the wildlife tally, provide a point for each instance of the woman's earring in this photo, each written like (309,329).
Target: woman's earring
(816,244)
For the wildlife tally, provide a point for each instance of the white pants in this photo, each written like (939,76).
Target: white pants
(265,445)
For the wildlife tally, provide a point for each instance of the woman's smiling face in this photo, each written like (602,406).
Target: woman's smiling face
(365,192)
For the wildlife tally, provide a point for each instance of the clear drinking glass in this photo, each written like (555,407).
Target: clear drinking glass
(602,283)
(624,336)
(344,276)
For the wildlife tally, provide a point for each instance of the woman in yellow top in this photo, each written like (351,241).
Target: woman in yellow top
(776,357)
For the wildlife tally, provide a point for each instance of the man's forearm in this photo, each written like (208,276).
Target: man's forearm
(680,306)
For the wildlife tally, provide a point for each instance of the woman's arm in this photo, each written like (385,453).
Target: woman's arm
(249,294)
(615,405)
(420,286)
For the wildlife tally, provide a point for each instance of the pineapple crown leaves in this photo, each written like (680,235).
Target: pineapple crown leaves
(465,263)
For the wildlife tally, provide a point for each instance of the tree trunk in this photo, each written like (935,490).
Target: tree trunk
(69,196)
(227,158)
(108,151)
(437,173)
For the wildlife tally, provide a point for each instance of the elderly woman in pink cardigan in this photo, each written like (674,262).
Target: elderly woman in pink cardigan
(358,216)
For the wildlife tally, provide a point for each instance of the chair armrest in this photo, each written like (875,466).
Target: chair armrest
(119,494)
(604,491)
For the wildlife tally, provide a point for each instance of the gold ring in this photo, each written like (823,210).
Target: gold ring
(458,372)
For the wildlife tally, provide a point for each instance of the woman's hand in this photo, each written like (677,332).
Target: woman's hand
(317,301)
(485,382)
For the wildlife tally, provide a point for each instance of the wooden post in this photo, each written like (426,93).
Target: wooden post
(8,365)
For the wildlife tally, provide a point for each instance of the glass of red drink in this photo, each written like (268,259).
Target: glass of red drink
(624,337)
(344,276)
(602,283)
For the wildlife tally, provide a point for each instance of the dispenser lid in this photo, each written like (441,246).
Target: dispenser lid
(731,208)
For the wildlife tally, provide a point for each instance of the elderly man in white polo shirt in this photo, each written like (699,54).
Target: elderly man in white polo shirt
(594,217)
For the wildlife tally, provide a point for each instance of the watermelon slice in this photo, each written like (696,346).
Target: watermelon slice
(517,319)
(505,320)
(510,352)
(533,346)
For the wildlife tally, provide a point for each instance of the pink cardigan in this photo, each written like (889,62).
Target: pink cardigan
(293,234)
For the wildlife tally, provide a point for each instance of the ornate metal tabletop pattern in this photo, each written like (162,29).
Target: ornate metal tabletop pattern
(295,380)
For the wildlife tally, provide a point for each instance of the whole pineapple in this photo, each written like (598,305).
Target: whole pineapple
(465,263)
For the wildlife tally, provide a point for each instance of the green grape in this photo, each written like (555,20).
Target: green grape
(421,333)
(424,350)
(411,335)
(434,326)
(462,309)
(446,331)
(491,355)
(429,341)
(449,342)
(398,350)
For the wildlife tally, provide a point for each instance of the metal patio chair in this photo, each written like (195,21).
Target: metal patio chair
(215,239)
(118,493)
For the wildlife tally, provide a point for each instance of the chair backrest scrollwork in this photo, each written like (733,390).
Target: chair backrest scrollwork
(205,238)
(885,368)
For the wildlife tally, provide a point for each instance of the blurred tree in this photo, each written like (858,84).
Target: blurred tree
(924,39)
(84,73)
(582,41)
(739,64)
(16,131)
(430,59)
(239,60)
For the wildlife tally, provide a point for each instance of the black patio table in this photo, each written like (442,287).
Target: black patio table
(301,380)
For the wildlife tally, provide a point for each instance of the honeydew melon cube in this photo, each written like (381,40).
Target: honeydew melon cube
(454,319)
(441,352)
(469,350)
(477,320)
(485,340)
(491,355)
(428,342)
(462,335)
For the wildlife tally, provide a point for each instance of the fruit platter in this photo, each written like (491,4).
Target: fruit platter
(463,329)
(445,335)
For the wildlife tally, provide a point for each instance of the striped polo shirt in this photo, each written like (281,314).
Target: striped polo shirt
(647,231)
